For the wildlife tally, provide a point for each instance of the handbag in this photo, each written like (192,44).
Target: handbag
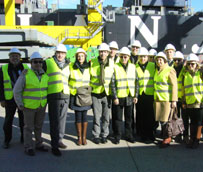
(175,125)
(83,96)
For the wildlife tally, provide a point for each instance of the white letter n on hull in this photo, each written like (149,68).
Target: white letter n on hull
(137,22)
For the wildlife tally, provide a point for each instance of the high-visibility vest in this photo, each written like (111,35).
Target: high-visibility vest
(58,79)
(8,89)
(162,85)
(97,88)
(180,79)
(146,79)
(193,87)
(125,80)
(78,79)
(35,91)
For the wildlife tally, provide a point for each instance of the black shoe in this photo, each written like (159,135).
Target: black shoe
(42,149)
(56,152)
(62,145)
(96,140)
(103,140)
(30,152)
(6,145)
(116,141)
(130,139)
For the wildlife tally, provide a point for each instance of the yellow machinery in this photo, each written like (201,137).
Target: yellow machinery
(85,36)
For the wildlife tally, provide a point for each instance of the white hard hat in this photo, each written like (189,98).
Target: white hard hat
(178,55)
(192,57)
(125,51)
(161,54)
(61,48)
(136,43)
(113,44)
(81,50)
(104,47)
(14,50)
(170,47)
(143,52)
(152,52)
(35,55)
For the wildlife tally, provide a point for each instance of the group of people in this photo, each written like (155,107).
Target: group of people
(145,86)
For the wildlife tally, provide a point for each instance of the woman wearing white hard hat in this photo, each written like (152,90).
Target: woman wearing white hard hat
(124,93)
(152,54)
(145,120)
(165,94)
(193,98)
(30,93)
(79,76)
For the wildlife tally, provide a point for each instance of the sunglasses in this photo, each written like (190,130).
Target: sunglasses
(123,57)
(191,64)
(179,60)
(37,61)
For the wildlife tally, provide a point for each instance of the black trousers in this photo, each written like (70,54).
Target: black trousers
(113,117)
(128,121)
(8,122)
(145,119)
(57,116)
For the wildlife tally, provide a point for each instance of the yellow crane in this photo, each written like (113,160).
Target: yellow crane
(84,36)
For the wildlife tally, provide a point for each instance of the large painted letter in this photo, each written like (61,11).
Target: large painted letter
(24,19)
(137,22)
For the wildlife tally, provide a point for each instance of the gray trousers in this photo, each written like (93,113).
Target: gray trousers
(101,113)
(57,116)
(33,121)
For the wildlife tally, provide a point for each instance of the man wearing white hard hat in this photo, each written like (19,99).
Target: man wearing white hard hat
(165,94)
(57,68)
(192,88)
(124,93)
(101,73)
(145,120)
(113,52)
(152,54)
(135,46)
(170,51)
(30,93)
(9,74)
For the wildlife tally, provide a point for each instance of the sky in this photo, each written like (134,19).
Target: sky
(72,4)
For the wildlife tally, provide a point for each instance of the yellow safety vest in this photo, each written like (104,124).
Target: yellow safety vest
(125,80)
(78,79)
(58,79)
(97,88)
(8,89)
(35,91)
(193,87)
(162,86)
(146,79)
(180,79)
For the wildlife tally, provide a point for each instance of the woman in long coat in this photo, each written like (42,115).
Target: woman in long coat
(165,93)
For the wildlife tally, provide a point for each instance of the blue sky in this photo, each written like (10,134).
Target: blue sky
(72,4)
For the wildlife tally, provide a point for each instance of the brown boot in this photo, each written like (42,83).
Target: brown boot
(79,133)
(84,133)
(166,142)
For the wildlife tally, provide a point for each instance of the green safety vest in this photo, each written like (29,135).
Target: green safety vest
(8,89)
(35,91)
(193,87)
(58,79)
(125,80)
(78,79)
(97,88)
(162,86)
(180,79)
(146,79)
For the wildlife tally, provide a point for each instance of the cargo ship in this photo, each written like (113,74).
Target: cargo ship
(154,22)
